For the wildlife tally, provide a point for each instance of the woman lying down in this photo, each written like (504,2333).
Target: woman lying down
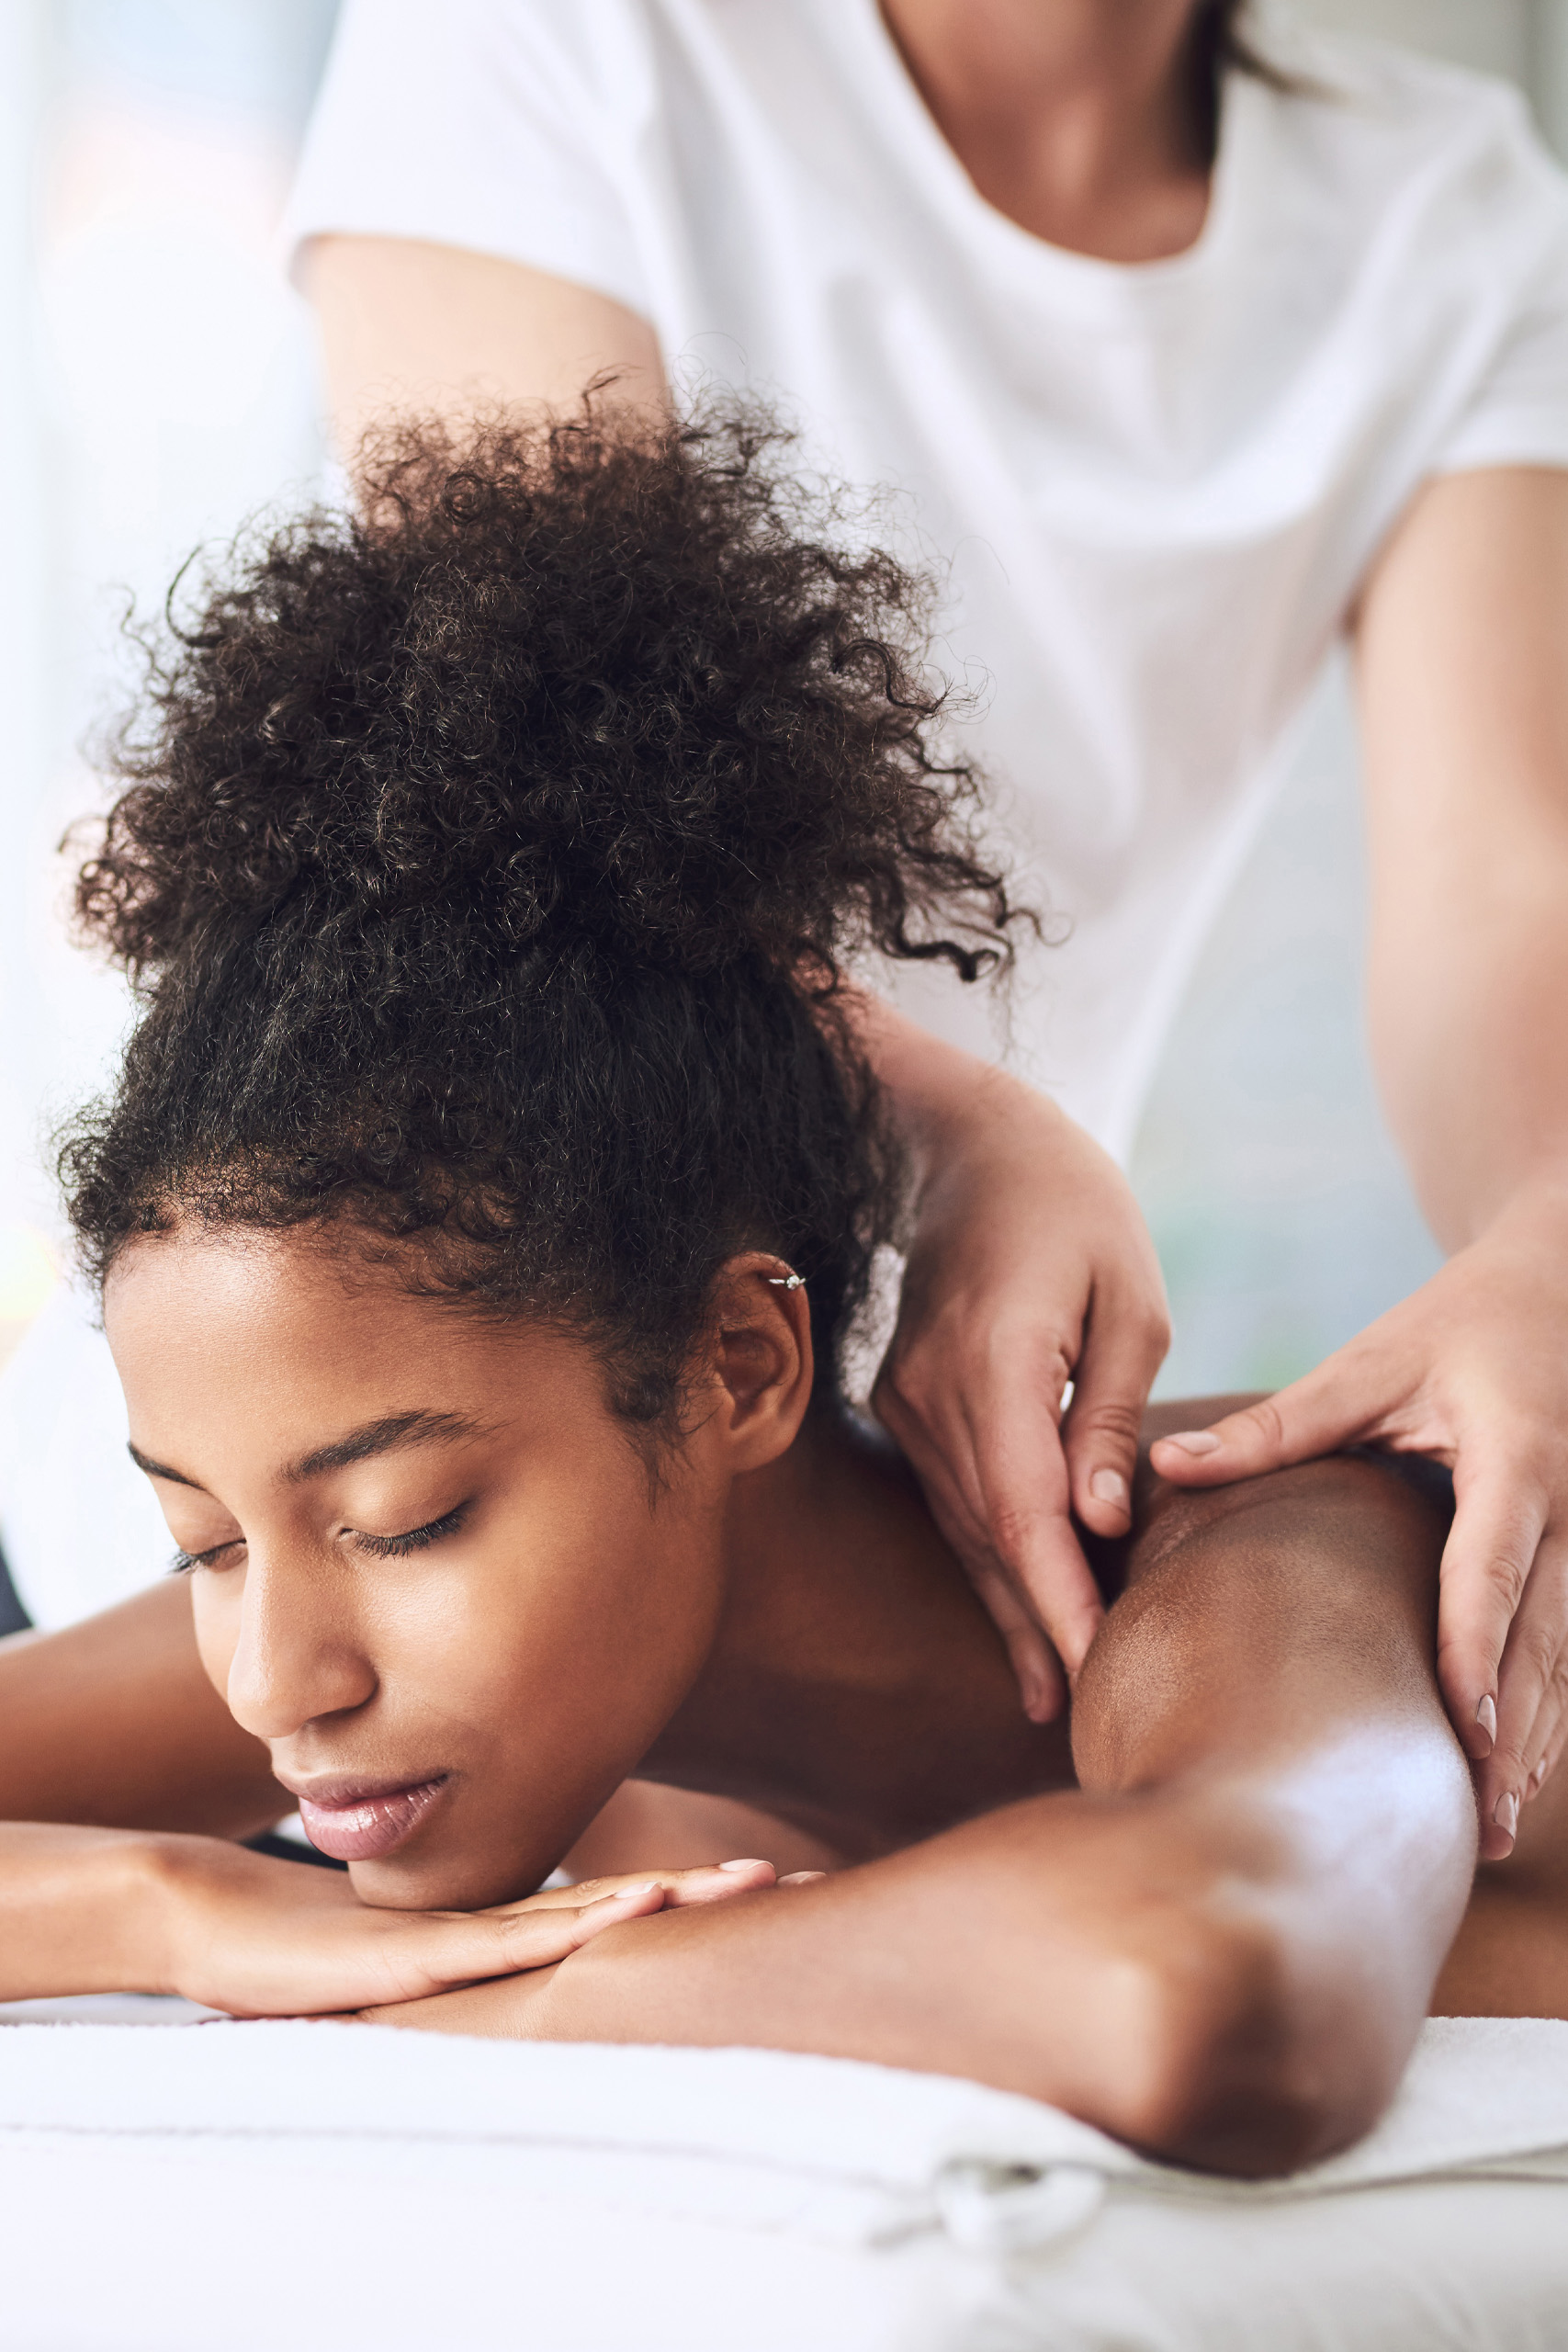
(490,1181)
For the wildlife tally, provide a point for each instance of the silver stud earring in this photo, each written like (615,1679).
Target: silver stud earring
(786,1282)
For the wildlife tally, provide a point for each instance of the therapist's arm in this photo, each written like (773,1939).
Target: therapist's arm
(1461,659)
(406,325)
(1030,1265)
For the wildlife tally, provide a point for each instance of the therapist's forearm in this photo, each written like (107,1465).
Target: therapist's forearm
(946,1103)
(1470,1040)
(1461,664)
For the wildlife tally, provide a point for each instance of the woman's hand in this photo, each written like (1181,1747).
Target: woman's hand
(515,2010)
(1031,1267)
(1473,1370)
(261,1938)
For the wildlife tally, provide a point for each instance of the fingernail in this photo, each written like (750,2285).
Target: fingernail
(1505,1812)
(1108,1487)
(1193,1441)
(1487,1717)
(802,1878)
(753,1864)
(626,1893)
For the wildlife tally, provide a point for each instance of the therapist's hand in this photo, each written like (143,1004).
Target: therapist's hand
(1473,1370)
(1030,1267)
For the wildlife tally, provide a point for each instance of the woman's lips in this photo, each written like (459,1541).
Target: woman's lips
(364,1828)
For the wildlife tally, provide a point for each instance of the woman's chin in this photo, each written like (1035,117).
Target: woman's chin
(445,1879)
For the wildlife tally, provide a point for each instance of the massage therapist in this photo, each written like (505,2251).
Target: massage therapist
(1188,344)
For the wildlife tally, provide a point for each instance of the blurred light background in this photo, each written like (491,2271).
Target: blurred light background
(156,385)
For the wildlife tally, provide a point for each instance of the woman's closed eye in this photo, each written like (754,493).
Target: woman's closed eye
(183,1562)
(383,1547)
(395,1548)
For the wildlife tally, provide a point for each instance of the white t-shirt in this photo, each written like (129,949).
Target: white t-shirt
(1152,490)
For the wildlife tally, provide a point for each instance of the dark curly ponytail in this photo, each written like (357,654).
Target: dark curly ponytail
(487,864)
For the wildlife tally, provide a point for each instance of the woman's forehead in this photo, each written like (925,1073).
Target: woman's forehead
(207,1324)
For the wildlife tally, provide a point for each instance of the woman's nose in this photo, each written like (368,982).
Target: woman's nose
(293,1660)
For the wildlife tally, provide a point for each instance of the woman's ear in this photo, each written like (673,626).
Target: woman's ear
(763,1367)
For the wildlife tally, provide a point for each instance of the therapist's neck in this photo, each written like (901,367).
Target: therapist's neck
(1076,117)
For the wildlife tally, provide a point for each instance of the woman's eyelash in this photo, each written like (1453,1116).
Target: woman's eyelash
(386,1547)
(183,1562)
(394,1547)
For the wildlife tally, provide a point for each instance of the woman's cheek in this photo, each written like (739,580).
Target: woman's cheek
(216,1616)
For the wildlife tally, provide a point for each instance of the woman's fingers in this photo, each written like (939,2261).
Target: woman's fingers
(443,1951)
(421,1954)
(708,1882)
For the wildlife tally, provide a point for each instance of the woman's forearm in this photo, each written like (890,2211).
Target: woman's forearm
(1068,1948)
(79,1911)
(112,1722)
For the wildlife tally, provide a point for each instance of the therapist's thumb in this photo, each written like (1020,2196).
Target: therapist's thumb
(1099,1432)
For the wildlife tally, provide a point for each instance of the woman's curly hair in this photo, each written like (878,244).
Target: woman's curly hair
(487,863)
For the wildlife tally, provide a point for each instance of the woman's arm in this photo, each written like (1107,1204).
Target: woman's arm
(107,1910)
(1462,660)
(113,1721)
(1221,1947)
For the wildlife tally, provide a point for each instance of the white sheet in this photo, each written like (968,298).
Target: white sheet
(264,2185)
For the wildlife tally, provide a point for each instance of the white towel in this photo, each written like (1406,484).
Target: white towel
(445,2191)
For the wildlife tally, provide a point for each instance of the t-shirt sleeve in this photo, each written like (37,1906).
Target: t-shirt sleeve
(479,123)
(1519,412)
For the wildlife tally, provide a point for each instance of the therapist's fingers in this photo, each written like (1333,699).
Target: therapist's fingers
(1315,1415)
(1036,1668)
(1487,1562)
(1025,1494)
(988,1451)
(1124,1344)
(1551,1727)
(1529,1673)
(936,1439)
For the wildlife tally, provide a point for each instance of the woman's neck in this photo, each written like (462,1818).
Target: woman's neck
(1074,117)
(855,1685)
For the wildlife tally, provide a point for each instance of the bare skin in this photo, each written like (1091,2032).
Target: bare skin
(1211,1923)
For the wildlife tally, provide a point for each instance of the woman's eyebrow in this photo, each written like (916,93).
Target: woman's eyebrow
(161,1469)
(380,1437)
(359,1446)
